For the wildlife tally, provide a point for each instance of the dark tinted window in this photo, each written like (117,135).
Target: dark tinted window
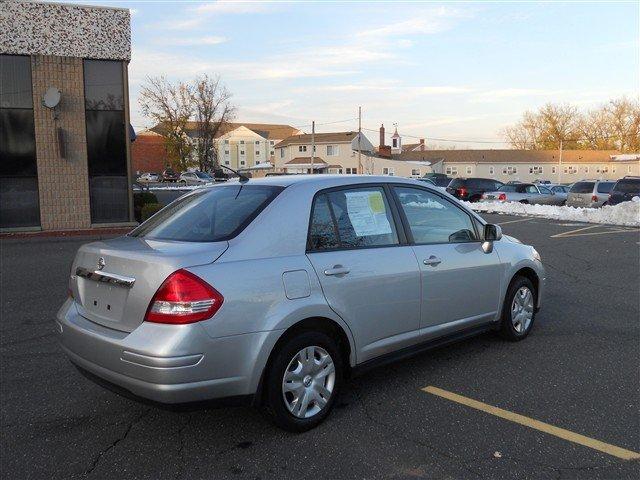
(582,187)
(15,82)
(323,233)
(209,215)
(508,188)
(433,219)
(106,148)
(457,183)
(19,202)
(628,185)
(605,187)
(103,85)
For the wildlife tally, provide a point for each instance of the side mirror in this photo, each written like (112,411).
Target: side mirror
(492,233)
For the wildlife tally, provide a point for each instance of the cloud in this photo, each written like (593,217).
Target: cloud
(192,41)
(233,7)
(427,22)
(509,93)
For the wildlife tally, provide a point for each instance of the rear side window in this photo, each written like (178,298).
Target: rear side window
(433,219)
(605,187)
(352,218)
(582,187)
(457,183)
(628,186)
(209,215)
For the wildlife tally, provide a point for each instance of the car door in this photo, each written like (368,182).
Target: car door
(544,197)
(368,273)
(460,282)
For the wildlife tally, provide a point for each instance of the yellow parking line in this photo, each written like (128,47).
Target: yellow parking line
(536,424)
(581,231)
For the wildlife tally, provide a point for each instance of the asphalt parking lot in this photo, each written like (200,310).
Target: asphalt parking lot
(578,371)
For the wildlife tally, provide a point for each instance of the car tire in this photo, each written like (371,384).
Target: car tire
(281,404)
(518,315)
(524,201)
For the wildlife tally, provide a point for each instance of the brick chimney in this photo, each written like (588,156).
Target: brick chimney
(381,136)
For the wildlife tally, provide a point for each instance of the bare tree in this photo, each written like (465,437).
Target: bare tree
(613,126)
(212,106)
(170,106)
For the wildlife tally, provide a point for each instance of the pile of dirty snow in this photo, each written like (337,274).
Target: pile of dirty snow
(625,213)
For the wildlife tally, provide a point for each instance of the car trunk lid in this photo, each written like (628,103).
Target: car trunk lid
(113,281)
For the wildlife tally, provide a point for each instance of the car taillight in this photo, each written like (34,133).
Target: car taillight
(502,197)
(183,298)
(462,192)
(594,198)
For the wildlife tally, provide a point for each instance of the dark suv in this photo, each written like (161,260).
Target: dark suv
(624,190)
(471,189)
(438,179)
(169,175)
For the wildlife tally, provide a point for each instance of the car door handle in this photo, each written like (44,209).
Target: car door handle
(432,261)
(336,270)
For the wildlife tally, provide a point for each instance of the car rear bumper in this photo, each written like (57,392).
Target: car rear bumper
(166,363)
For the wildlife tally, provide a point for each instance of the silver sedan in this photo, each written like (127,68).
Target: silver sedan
(276,290)
(524,193)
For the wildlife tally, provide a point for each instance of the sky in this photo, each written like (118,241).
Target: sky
(455,73)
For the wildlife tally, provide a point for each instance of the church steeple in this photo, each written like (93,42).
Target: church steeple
(396,141)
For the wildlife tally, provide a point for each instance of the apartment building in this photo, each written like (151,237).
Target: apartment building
(64,117)
(335,152)
(529,165)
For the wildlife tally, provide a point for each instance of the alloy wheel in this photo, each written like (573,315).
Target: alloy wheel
(522,309)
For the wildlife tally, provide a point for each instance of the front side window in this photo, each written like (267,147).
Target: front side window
(433,219)
(352,218)
(208,215)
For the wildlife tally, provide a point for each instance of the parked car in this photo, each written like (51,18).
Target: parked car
(195,178)
(148,177)
(524,193)
(589,193)
(471,189)
(624,190)
(427,180)
(560,190)
(439,179)
(169,175)
(276,289)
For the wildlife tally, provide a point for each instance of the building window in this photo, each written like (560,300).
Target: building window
(613,169)
(554,169)
(272,153)
(602,169)
(492,171)
(535,170)
(19,204)
(302,148)
(415,172)
(226,142)
(106,141)
(226,162)
(586,169)
(394,142)
(388,171)
(468,170)
(241,142)
(257,142)
(242,162)
(271,142)
(226,152)
(332,150)
(257,153)
(241,152)
(628,168)
(351,171)
(451,170)
(570,169)
(509,170)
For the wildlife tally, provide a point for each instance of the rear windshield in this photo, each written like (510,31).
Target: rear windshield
(208,215)
(605,187)
(582,187)
(508,188)
(628,186)
(457,183)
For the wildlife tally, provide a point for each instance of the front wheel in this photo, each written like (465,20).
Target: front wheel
(518,311)
(303,381)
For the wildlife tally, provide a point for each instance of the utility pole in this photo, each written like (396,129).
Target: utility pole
(313,142)
(359,135)
(560,164)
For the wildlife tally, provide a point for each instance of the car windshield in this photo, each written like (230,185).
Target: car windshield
(628,186)
(605,187)
(203,175)
(208,215)
(582,187)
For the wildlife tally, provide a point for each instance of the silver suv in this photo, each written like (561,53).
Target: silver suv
(276,290)
(589,193)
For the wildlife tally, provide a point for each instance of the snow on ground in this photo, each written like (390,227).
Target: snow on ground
(625,213)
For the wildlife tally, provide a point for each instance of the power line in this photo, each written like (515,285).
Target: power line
(328,123)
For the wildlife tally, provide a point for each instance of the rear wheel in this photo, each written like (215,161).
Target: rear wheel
(518,311)
(303,381)
(524,201)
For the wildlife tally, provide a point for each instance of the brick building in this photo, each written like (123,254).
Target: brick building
(64,117)
(148,153)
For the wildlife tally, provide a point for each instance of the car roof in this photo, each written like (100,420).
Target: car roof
(322,180)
